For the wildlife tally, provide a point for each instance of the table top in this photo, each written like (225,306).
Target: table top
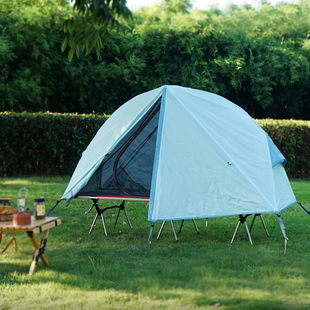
(36,226)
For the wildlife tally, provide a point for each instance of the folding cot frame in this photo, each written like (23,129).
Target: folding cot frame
(101,211)
(95,199)
(120,207)
(242,220)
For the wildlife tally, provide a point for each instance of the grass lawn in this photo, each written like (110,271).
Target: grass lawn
(199,272)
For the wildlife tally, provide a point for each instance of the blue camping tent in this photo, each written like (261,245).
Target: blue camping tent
(192,153)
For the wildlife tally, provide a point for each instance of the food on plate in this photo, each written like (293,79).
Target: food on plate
(7,210)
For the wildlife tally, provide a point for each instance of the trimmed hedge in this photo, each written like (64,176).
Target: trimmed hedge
(292,137)
(44,143)
(52,143)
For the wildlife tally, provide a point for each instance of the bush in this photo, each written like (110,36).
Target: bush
(258,59)
(52,143)
(292,137)
(44,143)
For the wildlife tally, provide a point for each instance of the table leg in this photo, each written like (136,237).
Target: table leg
(12,240)
(39,251)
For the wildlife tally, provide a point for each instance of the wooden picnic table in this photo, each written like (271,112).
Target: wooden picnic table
(36,227)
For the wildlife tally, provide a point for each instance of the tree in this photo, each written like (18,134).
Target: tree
(90,24)
(176,6)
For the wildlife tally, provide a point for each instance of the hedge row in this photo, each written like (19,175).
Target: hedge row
(44,143)
(292,137)
(52,143)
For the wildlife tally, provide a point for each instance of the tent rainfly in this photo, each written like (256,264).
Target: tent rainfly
(192,153)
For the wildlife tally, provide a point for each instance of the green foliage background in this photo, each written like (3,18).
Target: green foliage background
(52,143)
(259,59)
(44,143)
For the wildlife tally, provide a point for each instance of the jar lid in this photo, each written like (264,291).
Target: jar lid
(41,199)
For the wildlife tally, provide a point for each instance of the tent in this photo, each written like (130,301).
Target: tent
(191,153)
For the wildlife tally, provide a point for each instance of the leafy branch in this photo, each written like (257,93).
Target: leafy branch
(90,25)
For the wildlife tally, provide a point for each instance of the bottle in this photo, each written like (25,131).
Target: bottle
(39,208)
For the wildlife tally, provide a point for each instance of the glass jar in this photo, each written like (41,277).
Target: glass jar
(39,208)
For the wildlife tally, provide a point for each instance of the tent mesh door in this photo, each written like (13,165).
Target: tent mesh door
(128,170)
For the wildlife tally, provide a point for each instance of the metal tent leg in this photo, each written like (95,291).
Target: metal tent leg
(262,220)
(242,220)
(122,207)
(127,218)
(261,217)
(195,225)
(173,229)
(119,210)
(99,212)
(90,208)
(181,226)
(248,232)
(175,235)
(161,229)
(235,233)
(93,224)
(104,228)
(253,222)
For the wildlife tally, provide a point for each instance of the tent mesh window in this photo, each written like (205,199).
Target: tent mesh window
(128,170)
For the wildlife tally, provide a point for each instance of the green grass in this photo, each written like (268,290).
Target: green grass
(198,272)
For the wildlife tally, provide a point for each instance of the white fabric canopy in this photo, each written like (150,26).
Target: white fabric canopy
(211,158)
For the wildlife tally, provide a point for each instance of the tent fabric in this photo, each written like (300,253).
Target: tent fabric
(128,170)
(198,156)
(107,137)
